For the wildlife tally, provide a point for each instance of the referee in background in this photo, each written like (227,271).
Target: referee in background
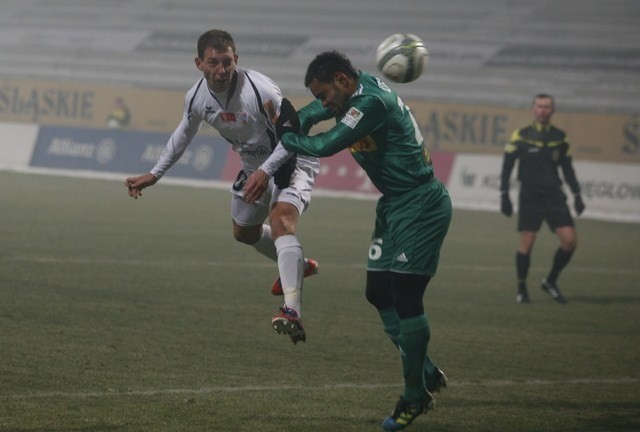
(541,148)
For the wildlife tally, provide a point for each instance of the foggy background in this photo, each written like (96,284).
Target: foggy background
(490,52)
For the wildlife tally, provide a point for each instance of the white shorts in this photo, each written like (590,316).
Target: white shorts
(298,194)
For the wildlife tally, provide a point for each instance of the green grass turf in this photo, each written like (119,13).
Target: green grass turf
(124,315)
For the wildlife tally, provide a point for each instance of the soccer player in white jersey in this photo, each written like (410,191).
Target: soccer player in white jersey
(242,105)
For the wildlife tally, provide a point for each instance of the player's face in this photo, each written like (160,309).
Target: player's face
(333,95)
(542,110)
(217,67)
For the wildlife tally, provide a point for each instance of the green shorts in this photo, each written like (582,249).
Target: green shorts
(410,230)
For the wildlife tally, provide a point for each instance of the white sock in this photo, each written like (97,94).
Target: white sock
(266,245)
(291,268)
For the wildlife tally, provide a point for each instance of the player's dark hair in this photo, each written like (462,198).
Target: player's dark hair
(544,96)
(219,40)
(324,67)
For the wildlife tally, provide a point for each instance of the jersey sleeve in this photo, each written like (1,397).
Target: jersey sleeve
(275,160)
(567,171)
(179,139)
(508,161)
(363,115)
(271,98)
(312,114)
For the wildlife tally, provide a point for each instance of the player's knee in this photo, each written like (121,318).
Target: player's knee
(408,291)
(243,238)
(284,218)
(282,226)
(246,235)
(527,240)
(377,298)
(568,238)
(408,309)
(378,291)
(569,245)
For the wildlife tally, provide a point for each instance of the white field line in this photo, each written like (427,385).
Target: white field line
(267,264)
(327,387)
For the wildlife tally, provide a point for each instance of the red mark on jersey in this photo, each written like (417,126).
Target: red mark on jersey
(228,117)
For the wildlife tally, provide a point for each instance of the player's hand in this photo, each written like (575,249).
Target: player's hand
(288,120)
(255,186)
(136,184)
(505,204)
(578,205)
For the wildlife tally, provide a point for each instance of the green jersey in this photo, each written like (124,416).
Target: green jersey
(379,131)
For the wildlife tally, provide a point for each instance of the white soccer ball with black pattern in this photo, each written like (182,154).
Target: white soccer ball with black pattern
(402,57)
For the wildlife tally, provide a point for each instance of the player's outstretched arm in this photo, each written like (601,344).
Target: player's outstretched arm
(136,184)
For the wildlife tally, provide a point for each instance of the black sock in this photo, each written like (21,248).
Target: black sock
(560,260)
(522,269)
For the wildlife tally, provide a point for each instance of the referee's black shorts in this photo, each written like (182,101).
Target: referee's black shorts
(536,207)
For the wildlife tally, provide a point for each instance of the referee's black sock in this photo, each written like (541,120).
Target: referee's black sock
(522,269)
(560,260)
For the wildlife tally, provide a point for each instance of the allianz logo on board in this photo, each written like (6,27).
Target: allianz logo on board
(199,158)
(103,151)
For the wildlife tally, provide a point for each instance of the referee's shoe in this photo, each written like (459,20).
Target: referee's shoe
(523,295)
(552,289)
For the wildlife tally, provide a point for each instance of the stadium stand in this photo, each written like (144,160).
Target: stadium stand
(494,52)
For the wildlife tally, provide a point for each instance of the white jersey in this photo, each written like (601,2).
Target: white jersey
(241,116)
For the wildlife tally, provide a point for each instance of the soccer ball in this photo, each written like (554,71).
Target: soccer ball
(402,57)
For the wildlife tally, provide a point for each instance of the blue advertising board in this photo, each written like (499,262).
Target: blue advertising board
(121,151)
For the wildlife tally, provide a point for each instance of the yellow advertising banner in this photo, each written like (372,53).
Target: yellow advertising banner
(57,103)
(78,104)
(481,129)
(445,127)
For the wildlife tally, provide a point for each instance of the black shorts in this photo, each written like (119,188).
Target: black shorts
(536,208)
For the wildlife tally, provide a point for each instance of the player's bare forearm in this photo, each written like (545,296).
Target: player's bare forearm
(255,186)
(136,184)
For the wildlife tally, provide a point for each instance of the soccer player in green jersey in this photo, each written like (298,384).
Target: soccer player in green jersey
(412,215)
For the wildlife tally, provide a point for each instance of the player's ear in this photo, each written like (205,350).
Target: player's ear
(198,62)
(340,79)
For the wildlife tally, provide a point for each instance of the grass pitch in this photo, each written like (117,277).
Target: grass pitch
(123,315)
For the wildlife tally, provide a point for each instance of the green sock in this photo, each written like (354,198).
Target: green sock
(430,372)
(391,324)
(413,341)
(429,366)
